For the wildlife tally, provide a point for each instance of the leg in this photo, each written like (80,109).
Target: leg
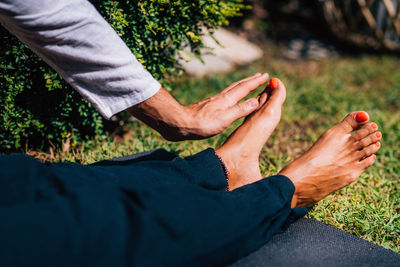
(135,215)
(147,213)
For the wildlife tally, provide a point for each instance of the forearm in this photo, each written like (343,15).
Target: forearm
(166,115)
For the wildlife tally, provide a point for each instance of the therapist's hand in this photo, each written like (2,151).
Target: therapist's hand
(204,119)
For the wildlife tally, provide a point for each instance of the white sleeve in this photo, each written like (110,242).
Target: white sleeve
(74,39)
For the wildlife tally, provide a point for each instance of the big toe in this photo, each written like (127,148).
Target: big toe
(353,121)
(277,90)
(273,96)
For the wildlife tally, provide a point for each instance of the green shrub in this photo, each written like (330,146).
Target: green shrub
(38,108)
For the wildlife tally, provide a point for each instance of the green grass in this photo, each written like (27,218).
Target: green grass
(319,94)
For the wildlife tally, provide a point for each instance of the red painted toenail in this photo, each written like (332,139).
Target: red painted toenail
(377,144)
(379,135)
(361,116)
(274,83)
(374,126)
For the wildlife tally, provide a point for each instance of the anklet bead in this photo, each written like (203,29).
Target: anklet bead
(225,171)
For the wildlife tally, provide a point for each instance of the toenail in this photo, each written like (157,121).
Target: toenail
(374,126)
(274,83)
(377,144)
(361,116)
(379,135)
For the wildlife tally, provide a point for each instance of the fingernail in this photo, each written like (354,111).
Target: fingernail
(252,102)
(257,74)
(362,116)
(374,126)
(379,135)
(274,83)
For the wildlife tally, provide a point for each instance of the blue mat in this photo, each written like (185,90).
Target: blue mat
(309,242)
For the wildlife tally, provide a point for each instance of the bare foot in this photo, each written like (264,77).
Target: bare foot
(335,160)
(241,151)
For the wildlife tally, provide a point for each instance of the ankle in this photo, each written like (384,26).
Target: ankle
(240,169)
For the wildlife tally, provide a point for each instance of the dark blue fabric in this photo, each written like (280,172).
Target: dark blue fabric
(161,210)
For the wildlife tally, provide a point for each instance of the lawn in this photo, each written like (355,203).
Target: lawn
(319,94)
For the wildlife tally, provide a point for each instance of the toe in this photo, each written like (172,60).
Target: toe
(277,90)
(262,98)
(354,121)
(371,149)
(365,131)
(370,139)
(273,104)
(368,161)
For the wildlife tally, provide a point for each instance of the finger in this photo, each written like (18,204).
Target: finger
(241,81)
(241,110)
(241,90)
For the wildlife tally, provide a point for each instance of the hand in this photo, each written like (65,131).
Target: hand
(203,119)
(213,115)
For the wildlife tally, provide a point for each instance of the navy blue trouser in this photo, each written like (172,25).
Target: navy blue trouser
(153,209)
